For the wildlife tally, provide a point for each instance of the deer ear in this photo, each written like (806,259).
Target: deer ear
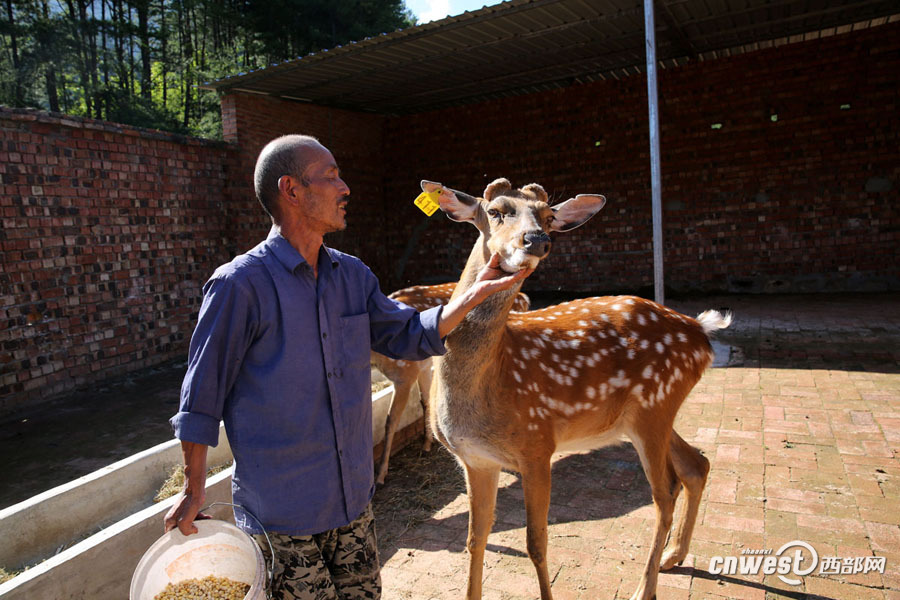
(576,211)
(457,205)
(537,191)
(497,187)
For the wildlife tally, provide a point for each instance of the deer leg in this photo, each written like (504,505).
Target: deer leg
(481,486)
(660,473)
(691,468)
(402,390)
(424,378)
(536,486)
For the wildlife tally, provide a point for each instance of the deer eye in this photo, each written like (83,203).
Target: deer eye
(495,214)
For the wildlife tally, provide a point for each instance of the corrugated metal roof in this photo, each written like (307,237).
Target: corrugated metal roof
(522,46)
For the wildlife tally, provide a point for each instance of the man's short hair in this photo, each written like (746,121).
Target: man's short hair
(278,158)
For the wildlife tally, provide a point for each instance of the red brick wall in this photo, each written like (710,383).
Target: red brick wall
(355,139)
(805,203)
(107,234)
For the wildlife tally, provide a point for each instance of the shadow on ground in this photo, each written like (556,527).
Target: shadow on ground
(602,484)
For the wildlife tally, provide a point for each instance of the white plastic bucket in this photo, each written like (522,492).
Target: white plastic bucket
(219,549)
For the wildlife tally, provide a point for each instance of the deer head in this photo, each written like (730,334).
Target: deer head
(516,223)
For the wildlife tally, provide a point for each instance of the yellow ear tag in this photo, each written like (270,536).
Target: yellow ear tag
(428,202)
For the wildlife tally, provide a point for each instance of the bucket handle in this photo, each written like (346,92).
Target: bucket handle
(265,533)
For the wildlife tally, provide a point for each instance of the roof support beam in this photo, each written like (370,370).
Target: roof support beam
(655,174)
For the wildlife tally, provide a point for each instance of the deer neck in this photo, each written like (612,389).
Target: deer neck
(481,332)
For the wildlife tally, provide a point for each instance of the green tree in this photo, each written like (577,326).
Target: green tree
(140,61)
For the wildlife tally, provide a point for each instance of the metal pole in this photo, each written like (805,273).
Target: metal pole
(655,177)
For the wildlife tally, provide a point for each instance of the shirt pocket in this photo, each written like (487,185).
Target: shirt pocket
(356,341)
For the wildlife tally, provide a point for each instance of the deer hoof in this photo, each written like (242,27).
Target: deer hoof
(669,560)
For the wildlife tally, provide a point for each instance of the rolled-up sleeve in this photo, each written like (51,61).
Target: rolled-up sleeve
(220,340)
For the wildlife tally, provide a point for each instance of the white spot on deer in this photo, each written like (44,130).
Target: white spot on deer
(517,377)
(591,392)
(654,317)
(660,348)
(642,320)
(645,344)
(531,411)
(667,339)
(619,380)
(648,372)
(605,318)
(682,338)
(532,427)
(590,361)
(623,341)
(630,354)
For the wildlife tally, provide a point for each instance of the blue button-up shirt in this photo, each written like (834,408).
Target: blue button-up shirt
(283,358)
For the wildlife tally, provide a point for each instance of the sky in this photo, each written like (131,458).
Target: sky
(432,10)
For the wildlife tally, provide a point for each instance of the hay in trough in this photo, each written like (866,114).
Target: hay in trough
(7,575)
(175,483)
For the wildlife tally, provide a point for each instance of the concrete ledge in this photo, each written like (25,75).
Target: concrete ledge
(36,528)
(101,566)
(381,406)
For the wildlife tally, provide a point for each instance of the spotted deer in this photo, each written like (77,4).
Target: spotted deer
(404,374)
(513,389)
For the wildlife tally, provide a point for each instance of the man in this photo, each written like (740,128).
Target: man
(281,354)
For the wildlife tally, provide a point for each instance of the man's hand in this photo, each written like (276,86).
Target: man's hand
(189,502)
(184,512)
(490,280)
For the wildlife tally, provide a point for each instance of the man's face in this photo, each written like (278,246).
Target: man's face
(323,198)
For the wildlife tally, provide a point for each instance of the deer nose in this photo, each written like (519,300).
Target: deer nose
(536,243)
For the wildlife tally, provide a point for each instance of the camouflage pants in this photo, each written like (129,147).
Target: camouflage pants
(340,564)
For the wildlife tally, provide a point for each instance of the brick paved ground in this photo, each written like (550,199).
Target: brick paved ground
(803,433)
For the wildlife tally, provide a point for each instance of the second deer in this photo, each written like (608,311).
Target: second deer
(513,389)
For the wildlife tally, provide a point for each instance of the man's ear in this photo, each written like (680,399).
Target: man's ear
(286,185)
(457,205)
(576,211)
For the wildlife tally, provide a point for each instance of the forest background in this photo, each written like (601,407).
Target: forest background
(139,62)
